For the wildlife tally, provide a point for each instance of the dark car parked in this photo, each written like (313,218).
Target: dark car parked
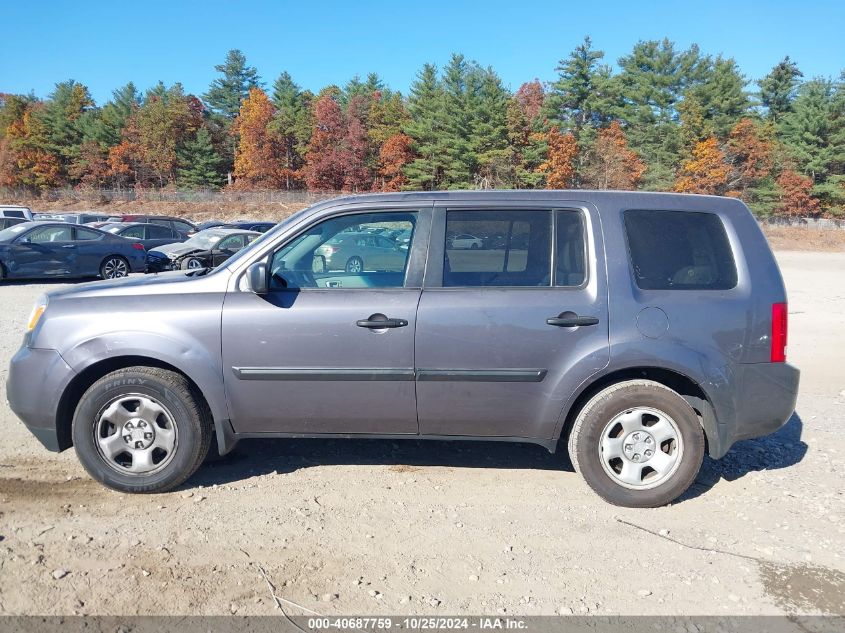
(5,223)
(33,250)
(182,226)
(206,249)
(210,224)
(150,235)
(85,217)
(250,225)
(640,331)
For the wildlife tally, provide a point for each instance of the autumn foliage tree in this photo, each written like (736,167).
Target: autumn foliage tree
(610,164)
(258,154)
(396,152)
(750,154)
(706,172)
(796,198)
(559,167)
(325,162)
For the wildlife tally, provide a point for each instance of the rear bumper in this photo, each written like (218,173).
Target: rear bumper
(37,378)
(764,400)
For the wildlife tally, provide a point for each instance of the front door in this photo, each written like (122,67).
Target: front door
(45,251)
(509,329)
(327,350)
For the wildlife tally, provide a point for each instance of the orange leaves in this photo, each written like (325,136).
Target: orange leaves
(559,167)
(751,154)
(796,199)
(706,172)
(257,158)
(611,165)
(394,155)
(325,163)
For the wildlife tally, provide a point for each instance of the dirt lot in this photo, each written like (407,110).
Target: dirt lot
(380,527)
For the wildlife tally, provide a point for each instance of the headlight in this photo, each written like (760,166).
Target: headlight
(36,314)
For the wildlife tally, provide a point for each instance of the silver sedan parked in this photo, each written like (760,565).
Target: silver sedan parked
(356,252)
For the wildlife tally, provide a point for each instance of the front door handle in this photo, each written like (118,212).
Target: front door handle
(69,246)
(380,322)
(572,320)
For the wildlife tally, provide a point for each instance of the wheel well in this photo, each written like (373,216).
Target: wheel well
(683,385)
(80,384)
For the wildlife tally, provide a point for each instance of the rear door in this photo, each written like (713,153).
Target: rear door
(91,251)
(327,351)
(159,236)
(508,330)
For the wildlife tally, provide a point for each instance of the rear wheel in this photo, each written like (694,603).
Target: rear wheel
(141,429)
(637,444)
(114,267)
(354,265)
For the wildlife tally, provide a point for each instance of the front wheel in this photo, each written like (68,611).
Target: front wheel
(355,265)
(192,263)
(114,267)
(638,444)
(141,429)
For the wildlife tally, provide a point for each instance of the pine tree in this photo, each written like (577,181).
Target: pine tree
(292,124)
(199,164)
(457,124)
(583,94)
(777,89)
(425,127)
(227,93)
(807,130)
(722,96)
(489,129)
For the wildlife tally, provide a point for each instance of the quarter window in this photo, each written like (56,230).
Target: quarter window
(570,249)
(497,248)
(86,234)
(679,250)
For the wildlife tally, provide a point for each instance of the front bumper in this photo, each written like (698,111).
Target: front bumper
(37,379)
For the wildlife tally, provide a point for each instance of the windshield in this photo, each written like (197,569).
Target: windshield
(205,240)
(12,232)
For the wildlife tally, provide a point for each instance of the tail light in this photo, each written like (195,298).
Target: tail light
(779,326)
(138,247)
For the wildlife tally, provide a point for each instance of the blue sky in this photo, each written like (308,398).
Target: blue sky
(104,44)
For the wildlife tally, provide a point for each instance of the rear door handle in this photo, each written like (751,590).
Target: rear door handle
(379,322)
(572,321)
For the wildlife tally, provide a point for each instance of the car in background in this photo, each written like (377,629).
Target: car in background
(150,235)
(359,251)
(465,241)
(210,224)
(72,217)
(15,211)
(250,225)
(5,223)
(183,227)
(34,250)
(206,249)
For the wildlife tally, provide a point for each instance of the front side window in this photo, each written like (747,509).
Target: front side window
(497,248)
(50,234)
(346,252)
(679,250)
(234,243)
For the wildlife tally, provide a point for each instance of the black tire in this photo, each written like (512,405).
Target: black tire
(192,263)
(354,265)
(623,398)
(474,246)
(2,272)
(114,267)
(190,416)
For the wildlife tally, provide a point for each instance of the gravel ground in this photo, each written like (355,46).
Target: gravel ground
(377,527)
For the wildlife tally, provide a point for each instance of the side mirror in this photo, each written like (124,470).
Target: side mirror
(256,278)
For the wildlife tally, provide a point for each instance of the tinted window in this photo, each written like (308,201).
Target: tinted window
(85,234)
(679,250)
(14,214)
(344,253)
(497,248)
(137,232)
(160,222)
(156,231)
(182,226)
(234,243)
(50,234)
(570,250)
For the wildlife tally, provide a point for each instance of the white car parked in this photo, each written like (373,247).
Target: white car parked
(15,211)
(466,241)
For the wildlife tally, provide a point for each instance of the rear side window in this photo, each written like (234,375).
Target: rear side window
(497,248)
(679,250)
(157,232)
(85,234)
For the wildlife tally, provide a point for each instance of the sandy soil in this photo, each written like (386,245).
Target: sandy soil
(368,527)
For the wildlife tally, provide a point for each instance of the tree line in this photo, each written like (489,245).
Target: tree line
(666,120)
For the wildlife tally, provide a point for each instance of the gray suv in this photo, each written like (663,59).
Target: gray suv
(640,330)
